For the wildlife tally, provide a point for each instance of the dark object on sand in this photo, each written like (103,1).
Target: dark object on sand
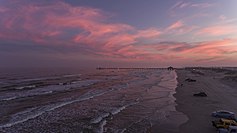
(224,114)
(224,123)
(230,129)
(190,80)
(200,94)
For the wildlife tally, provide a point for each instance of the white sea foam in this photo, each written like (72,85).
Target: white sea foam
(25,87)
(46,90)
(46,78)
(120,130)
(101,129)
(75,82)
(100,118)
(113,112)
(9,98)
(119,87)
(116,111)
(33,113)
(71,75)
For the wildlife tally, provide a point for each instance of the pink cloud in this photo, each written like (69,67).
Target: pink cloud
(130,53)
(49,24)
(179,28)
(202,50)
(218,30)
(120,40)
(215,50)
(176,25)
(148,33)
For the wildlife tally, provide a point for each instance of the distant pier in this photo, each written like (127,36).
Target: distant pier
(129,68)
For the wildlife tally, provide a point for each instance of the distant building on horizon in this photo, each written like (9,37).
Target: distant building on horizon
(170,68)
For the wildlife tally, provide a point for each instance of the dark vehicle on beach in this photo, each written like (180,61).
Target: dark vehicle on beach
(231,129)
(200,94)
(224,123)
(190,80)
(224,114)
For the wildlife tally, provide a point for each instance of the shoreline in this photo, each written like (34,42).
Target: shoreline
(198,109)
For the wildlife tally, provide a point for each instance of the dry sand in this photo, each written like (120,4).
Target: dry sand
(222,94)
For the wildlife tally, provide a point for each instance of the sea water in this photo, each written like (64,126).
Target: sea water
(88,101)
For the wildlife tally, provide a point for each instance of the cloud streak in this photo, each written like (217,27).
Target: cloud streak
(203,50)
(183,4)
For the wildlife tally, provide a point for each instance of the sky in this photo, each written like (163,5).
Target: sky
(118,33)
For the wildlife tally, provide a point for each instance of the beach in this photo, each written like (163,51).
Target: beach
(220,87)
(116,101)
(118,66)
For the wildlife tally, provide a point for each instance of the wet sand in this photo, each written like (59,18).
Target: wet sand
(221,91)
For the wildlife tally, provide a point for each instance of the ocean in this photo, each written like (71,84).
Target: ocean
(88,101)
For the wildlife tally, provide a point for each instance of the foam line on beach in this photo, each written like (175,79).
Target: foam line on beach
(25,87)
(102,118)
(41,110)
(101,127)
(24,80)
(113,112)
(46,90)
(47,78)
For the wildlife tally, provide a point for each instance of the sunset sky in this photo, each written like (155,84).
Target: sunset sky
(136,33)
